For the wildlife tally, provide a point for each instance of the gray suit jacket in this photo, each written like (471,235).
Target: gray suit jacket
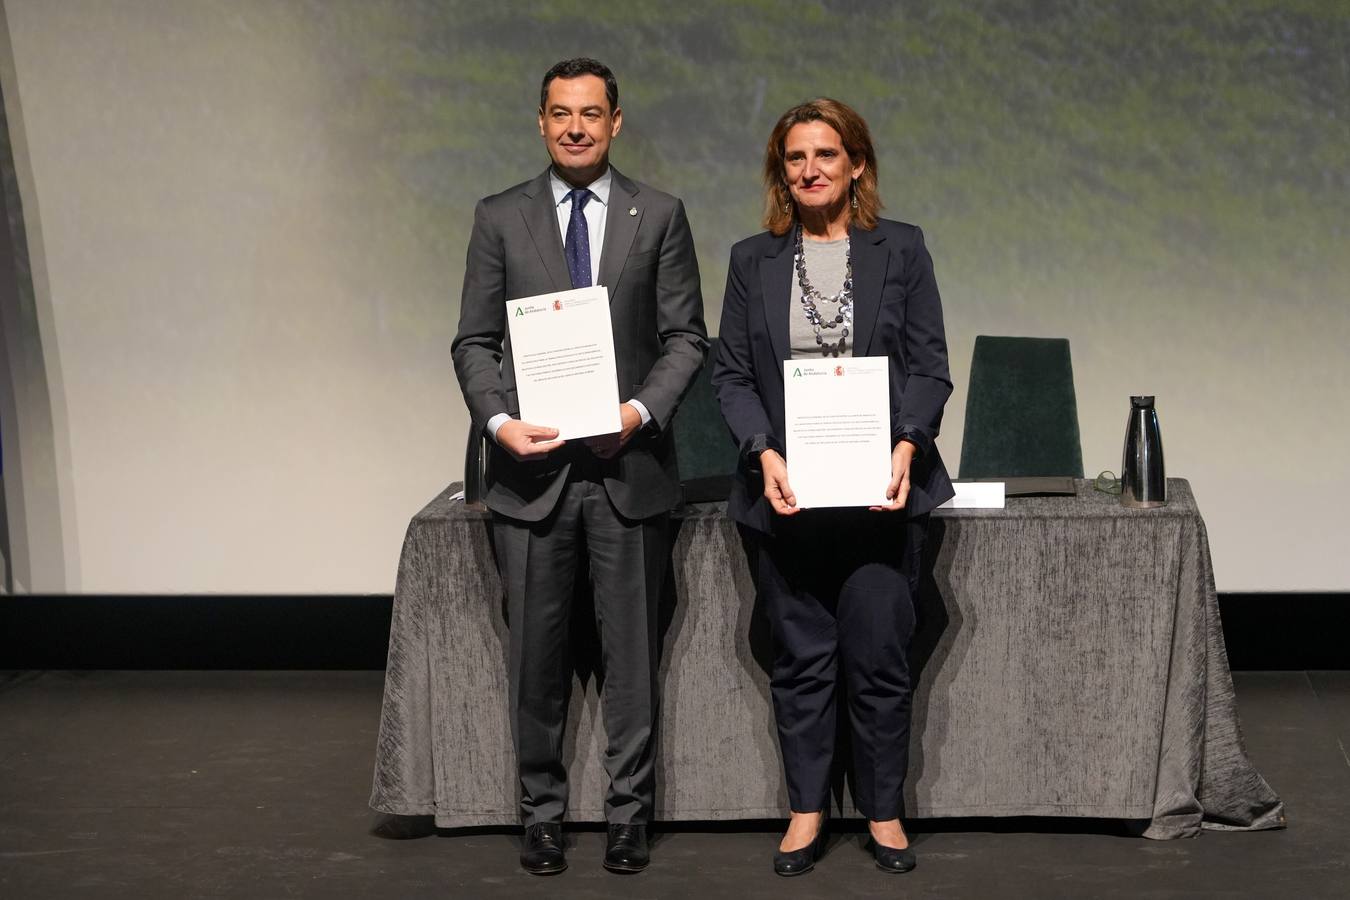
(660,341)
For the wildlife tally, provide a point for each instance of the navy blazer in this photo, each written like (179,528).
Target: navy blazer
(897,313)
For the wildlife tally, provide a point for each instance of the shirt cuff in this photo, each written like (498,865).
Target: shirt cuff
(642,411)
(496,422)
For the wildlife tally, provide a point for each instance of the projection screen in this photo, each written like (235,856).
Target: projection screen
(243,225)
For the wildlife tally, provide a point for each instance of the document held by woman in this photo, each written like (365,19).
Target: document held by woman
(838,430)
(562,348)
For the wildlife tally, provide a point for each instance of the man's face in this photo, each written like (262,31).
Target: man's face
(577,125)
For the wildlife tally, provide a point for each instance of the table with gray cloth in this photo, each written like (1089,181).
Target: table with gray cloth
(1069,662)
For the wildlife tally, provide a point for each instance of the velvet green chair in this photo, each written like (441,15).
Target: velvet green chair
(703,444)
(1021,412)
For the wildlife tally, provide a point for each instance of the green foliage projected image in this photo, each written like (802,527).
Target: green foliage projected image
(1036,143)
(1164,184)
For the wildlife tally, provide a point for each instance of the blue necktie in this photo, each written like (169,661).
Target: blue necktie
(577,247)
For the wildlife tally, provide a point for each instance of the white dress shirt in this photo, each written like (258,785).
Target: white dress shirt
(595,211)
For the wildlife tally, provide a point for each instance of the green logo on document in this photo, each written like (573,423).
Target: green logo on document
(520,311)
(796,373)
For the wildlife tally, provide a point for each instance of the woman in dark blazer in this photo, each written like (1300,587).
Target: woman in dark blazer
(829,278)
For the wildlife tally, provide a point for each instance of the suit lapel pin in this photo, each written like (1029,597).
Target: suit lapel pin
(632,210)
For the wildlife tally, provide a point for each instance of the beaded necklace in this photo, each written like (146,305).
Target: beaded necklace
(811,298)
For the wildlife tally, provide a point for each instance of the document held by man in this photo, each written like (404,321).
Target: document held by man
(838,430)
(562,347)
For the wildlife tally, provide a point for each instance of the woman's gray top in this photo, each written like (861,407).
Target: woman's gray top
(826,263)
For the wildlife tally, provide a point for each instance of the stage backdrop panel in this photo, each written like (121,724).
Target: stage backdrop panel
(245,224)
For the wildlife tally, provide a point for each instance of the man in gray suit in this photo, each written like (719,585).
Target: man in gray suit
(581,223)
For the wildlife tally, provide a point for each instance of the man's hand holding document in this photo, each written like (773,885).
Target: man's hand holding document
(838,431)
(562,347)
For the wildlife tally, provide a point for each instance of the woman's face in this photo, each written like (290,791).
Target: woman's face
(817,168)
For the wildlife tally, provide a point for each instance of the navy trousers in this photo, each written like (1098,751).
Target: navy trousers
(838,588)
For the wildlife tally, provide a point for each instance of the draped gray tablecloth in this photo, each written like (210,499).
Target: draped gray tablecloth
(1069,662)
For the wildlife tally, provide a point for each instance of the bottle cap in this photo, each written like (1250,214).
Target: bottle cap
(1141,402)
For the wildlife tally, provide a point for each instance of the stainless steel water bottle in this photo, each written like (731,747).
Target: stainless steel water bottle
(1143,480)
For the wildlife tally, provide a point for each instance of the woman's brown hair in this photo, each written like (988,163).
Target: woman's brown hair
(779,211)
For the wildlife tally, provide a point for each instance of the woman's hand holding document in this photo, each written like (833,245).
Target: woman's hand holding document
(839,433)
(562,349)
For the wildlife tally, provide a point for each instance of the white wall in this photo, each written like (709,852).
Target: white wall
(253,335)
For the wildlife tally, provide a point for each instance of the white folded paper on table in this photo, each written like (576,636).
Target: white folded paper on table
(976,495)
(838,430)
(562,348)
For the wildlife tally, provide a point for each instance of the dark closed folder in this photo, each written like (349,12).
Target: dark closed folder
(1035,485)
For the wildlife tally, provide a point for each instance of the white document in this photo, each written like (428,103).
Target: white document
(562,347)
(976,495)
(838,430)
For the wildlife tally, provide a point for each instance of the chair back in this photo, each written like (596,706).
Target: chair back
(1021,411)
(703,444)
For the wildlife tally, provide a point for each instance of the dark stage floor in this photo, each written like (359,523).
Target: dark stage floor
(254,784)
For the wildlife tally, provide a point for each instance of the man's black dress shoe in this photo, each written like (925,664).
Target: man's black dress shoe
(799,862)
(626,852)
(542,851)
(889,859)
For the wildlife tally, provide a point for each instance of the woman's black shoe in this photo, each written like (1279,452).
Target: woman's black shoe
(799,862)
(889,859)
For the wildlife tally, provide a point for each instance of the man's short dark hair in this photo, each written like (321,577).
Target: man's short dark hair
(575,68)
